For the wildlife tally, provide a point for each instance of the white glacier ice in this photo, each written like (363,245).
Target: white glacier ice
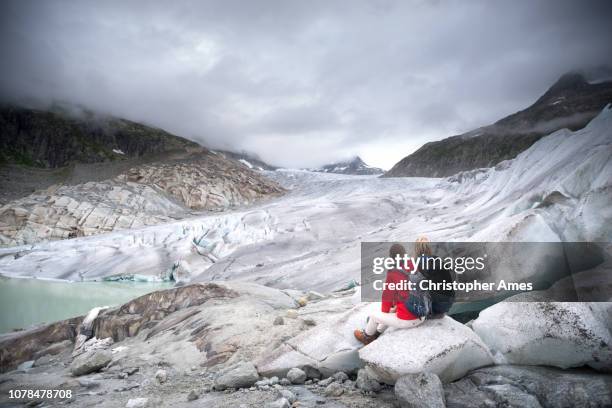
(558,190)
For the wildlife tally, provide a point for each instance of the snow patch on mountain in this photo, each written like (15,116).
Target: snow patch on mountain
(246,163)
(351,166)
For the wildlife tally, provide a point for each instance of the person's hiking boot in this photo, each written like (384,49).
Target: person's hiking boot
(365,338)
(436,316)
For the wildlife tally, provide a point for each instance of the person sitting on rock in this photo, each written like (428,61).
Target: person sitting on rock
(393,310)
(436,273)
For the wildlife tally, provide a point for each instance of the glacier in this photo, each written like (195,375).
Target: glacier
(560,189)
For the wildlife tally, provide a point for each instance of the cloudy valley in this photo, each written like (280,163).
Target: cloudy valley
(188,195)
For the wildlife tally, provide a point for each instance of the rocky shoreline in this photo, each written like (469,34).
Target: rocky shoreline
(241,344)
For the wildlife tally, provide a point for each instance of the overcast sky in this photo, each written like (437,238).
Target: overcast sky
(300,83)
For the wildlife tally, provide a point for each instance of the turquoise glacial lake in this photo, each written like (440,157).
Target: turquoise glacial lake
(28,302)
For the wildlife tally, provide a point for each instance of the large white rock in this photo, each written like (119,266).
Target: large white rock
(443,347)
(329,347)
(560,334)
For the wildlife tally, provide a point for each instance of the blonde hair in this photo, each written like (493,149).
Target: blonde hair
(421,246)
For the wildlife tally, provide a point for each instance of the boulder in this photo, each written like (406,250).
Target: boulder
(530,386)
(340,376)
(262,383)
(443,347)
(334,390)
(328,347)
(326,382)
(90,362)
(296,376)
(312,373)
(288,395)
(418,390)
(507,395)
(568,334)
(91,344)
(241,376)
(366,381)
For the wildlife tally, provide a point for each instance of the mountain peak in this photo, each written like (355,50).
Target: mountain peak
(354,165)
(571,102)
(353,160)
(568,82)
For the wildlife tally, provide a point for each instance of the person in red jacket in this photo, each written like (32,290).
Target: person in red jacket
(393,311)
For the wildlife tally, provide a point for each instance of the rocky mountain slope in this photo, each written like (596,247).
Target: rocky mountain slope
(144,195)
(570,103)
(252,161)
(354,166)
(61,136)
(98,174)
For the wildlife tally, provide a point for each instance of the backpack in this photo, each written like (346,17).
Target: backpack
(418,302)
(441,300)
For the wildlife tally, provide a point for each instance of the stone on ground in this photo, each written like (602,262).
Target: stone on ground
(334,390)
(420,390)
(90,362)
(241,376)
(296,376)
(161,376)
(340,376)
(192,396)
(288,395)
(366,381)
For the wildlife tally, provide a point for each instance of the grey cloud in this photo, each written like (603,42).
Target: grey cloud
(300,83)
